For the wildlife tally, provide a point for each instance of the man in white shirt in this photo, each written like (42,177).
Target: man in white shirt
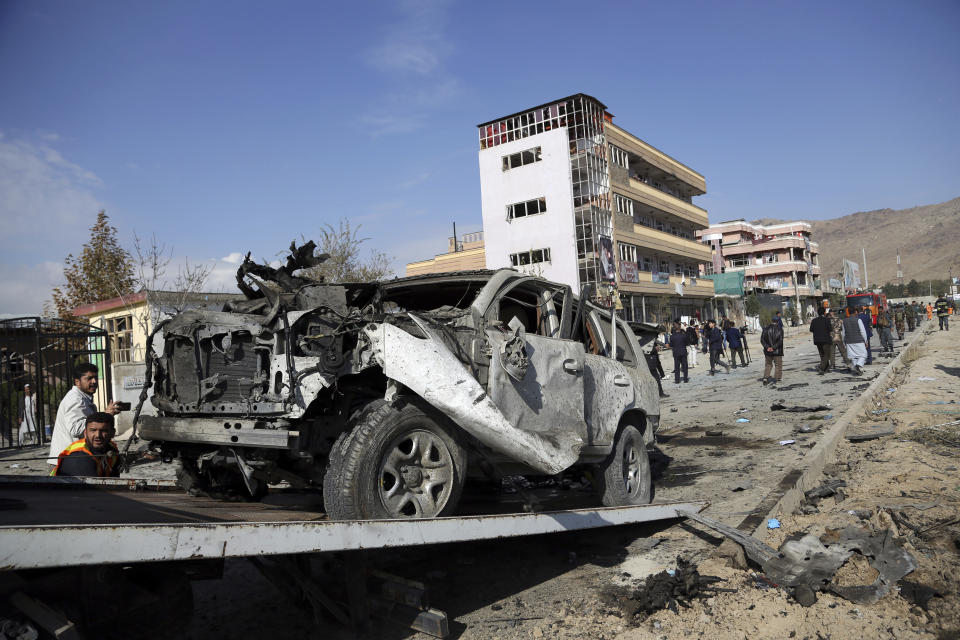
(28,417)
(74,409)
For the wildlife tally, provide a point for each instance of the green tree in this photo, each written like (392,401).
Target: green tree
(913,288)
(345,264)
(751,305)
(103,270)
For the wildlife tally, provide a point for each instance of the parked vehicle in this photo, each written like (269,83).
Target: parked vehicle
(871,300)
(387,394)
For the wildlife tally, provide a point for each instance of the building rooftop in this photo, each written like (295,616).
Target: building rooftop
(541,106)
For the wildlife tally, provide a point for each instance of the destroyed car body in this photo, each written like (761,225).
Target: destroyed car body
(387,393)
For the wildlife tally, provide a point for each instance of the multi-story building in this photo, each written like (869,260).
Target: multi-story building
(465,253)
(570,196)
(777,258)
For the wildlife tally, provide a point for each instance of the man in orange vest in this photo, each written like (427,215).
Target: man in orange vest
(95,455)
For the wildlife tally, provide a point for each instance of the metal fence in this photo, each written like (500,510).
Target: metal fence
(43,352)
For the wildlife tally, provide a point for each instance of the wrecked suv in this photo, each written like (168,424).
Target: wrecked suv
(387,394)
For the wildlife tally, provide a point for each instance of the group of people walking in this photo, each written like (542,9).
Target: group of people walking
(686,340)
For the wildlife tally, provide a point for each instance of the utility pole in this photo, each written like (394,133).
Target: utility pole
(899,269)
(455,249)
(866,280)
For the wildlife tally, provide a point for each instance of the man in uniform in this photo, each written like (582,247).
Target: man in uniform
(884,320)
(943,312)
(94,455)
(837,335)
(899,320)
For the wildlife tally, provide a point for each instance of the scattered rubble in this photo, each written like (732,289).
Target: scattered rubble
(668,589)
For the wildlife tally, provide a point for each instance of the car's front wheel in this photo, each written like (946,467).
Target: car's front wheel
(398,461)
(624,477)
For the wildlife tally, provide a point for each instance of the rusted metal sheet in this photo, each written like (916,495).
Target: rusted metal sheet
(65,546)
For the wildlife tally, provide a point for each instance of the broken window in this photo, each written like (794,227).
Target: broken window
(624,205)
(528,208)
(619,157)
(120,331)
(521,158)
(533,256)
(739,261)
(628,252)
(646,263)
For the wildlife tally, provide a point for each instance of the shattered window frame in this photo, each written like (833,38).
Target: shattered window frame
(522,158)
(533,256)
(619,157)
(526,208)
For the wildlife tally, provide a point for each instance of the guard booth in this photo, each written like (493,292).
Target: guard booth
(43,352)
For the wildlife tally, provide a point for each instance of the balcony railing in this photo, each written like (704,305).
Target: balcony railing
(663,201)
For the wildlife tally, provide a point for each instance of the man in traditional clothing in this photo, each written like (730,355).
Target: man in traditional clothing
(855,337)
(899,321)
(28,418)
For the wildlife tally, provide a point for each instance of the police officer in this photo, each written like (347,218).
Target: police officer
(942,308)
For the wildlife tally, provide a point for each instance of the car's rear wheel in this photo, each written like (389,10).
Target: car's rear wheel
(398,461)
(624,477)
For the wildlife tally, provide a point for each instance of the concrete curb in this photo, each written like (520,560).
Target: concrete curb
(788,495)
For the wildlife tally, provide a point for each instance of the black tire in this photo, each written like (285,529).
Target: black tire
(624,477)
(398,461)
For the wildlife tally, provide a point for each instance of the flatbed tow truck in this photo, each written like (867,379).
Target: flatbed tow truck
(80,553)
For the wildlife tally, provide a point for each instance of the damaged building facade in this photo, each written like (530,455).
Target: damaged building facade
(568,195)
(779,259)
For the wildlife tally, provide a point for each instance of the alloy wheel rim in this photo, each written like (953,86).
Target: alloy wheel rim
(416,475)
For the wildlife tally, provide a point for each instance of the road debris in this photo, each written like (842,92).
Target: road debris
(668,589)
(798,409)
(786,442)
(826,489)
(809,563)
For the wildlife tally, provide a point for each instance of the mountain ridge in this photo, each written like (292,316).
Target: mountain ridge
(928,237)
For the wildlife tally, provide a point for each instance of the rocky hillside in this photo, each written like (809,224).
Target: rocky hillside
(928,238)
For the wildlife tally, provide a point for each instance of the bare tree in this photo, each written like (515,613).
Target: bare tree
(164,295)
(345,263)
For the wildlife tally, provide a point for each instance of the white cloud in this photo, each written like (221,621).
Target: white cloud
(417,43)
(412,54)
(234,258)
(23,289)
(414,181)
(40,190)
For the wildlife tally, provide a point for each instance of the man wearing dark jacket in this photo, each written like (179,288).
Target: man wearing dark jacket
(772,342)
(735,341)
(822,331)
(715,340)
(867,319)
(678,343)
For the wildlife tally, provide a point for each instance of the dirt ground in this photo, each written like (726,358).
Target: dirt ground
(582,584)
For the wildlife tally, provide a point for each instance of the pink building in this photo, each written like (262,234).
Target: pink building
(779,258)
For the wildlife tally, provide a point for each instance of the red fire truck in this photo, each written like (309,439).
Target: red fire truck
(871,300)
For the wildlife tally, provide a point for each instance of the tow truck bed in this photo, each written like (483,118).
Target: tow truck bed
(47,523)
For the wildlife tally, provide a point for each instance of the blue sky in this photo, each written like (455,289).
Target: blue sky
(224,127)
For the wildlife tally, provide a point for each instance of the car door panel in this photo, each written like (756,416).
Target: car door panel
(550,395)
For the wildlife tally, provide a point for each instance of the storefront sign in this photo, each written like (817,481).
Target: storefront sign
(134,382)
